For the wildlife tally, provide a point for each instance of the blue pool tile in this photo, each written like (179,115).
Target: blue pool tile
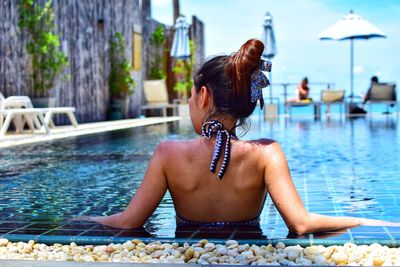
(392,229)
(133,233)
(4,231)
(370,236)
(249,235)
(184,234)
(213,235)
(79,225)
(333,235)
(368,229)
(41,225)
(92,240)
(26,231)
(108,233)
(13,225)
(104,227)
(64,232)
(395,235)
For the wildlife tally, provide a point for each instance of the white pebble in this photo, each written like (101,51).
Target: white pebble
(3,242)
(233,243)
(280,245)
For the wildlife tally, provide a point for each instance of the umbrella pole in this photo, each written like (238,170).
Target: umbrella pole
(351,69)
(270,88)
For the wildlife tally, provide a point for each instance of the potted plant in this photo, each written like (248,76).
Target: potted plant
(47,60)
(157,41)
(120,81)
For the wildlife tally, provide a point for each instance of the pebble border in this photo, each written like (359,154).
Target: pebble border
(205,252)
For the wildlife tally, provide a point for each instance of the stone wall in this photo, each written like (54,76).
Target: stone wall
(84,28)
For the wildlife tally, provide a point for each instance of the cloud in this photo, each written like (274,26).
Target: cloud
(161,3)
(358,69)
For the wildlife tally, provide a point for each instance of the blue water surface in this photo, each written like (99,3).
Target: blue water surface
(339,166)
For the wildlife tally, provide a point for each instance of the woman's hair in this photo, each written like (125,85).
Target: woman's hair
(228,78)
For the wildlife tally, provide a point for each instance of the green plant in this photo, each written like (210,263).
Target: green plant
(183,70)
(48,61)
(157,40)
(120,81)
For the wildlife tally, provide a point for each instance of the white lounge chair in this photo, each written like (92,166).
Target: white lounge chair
(12,114)
(19,120)
(156,95)
(20,110)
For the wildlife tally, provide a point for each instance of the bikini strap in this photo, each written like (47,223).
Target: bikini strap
(211,128)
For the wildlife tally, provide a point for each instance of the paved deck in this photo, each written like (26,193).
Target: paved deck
(60,132)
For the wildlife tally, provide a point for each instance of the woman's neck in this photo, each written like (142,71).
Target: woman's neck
(228,123)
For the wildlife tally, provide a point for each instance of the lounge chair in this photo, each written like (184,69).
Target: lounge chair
(333,97)
(381,93)
(20,111)
(157,97)
(19,119)
(302,103)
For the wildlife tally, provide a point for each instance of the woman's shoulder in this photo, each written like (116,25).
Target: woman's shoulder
(169,147)
(264,143)
(265,146)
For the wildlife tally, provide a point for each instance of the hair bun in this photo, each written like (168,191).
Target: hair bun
(248,58)
(239,69)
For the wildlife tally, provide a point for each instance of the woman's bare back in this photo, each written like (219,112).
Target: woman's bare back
(199,195)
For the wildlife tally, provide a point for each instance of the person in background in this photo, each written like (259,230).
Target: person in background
(303,91)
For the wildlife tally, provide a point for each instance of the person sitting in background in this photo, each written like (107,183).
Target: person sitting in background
(216,178)
(374,80)
(302,92)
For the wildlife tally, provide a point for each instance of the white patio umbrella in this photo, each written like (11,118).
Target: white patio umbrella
(351,27)
(180,45)
(269,44)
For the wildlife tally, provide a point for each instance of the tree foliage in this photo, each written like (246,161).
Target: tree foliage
(48,61)
(157,39)
(120,81)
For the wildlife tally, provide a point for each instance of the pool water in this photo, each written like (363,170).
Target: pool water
(340,167)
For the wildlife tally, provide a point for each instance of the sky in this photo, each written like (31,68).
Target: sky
(297,23)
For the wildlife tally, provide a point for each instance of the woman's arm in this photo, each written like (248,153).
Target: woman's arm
(286,199)
(302,91)
(146,199)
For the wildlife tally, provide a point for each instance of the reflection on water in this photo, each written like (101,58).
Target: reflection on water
(342,167)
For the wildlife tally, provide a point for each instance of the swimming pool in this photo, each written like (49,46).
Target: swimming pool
(340,167)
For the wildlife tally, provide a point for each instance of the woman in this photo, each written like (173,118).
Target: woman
(218,178)
(303,91)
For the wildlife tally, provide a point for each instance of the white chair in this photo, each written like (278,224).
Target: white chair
(333,97)
(49,112)
(17,113)
(19,120)
(19,110)
(156,95)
